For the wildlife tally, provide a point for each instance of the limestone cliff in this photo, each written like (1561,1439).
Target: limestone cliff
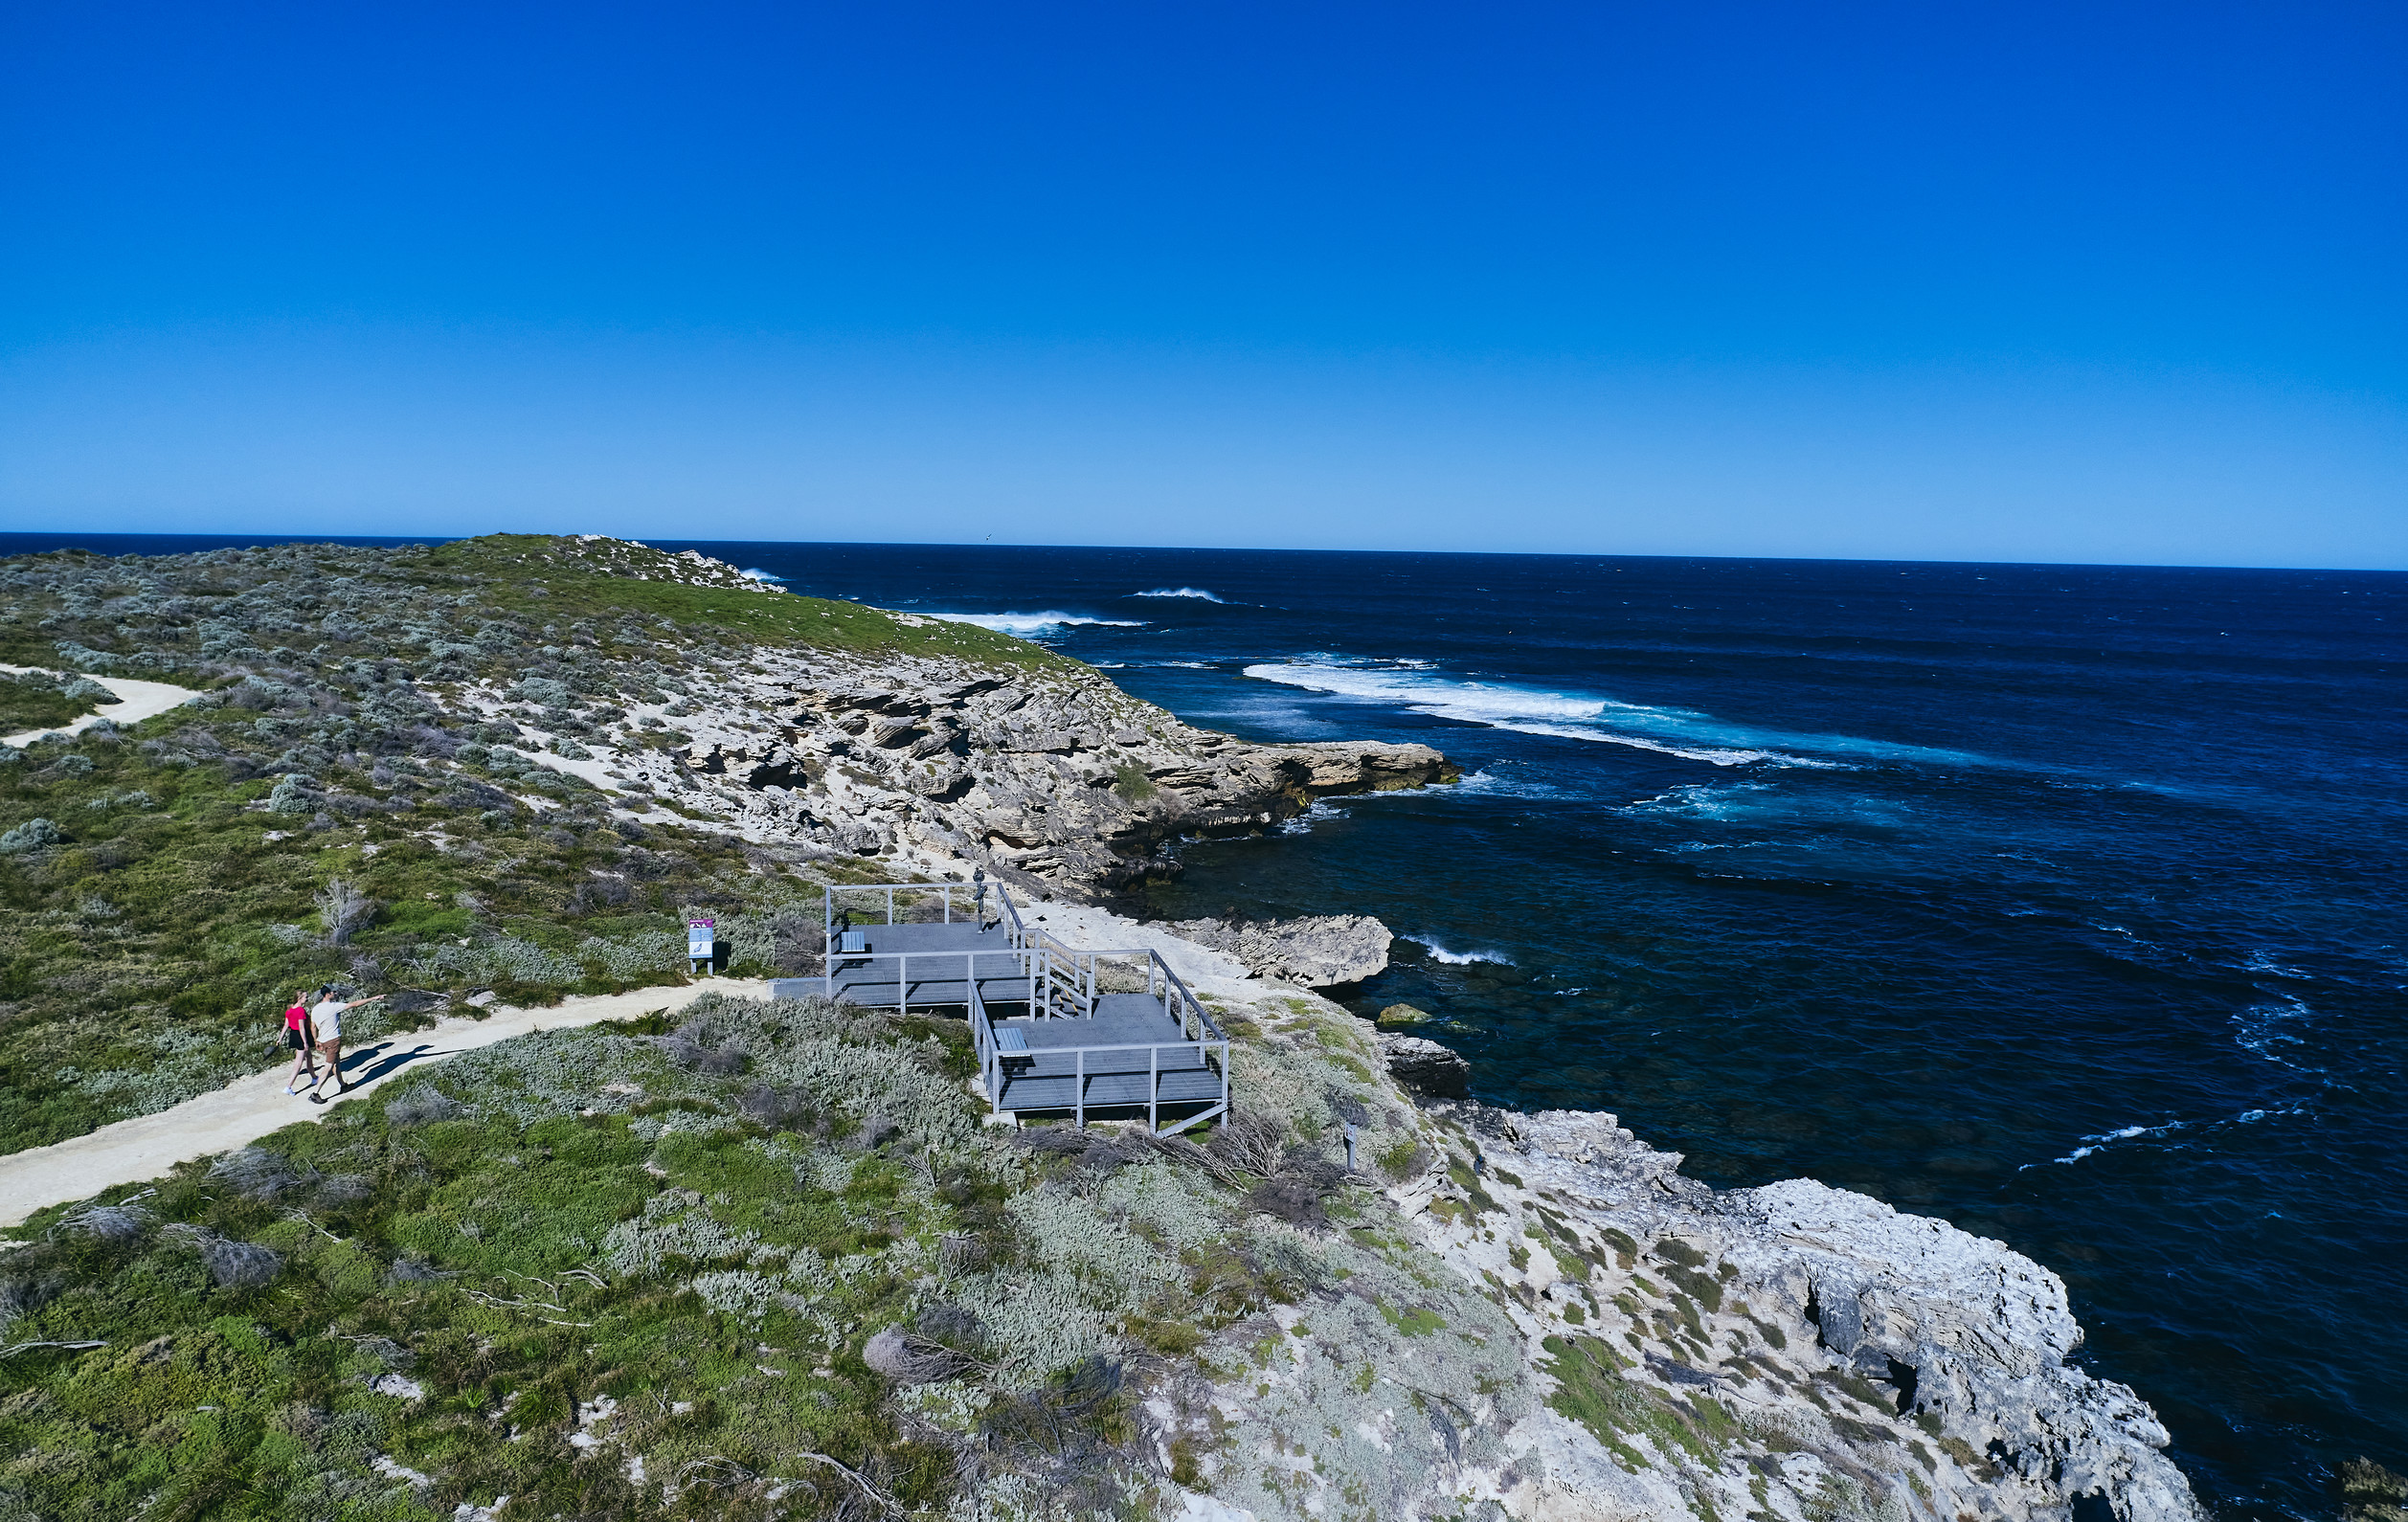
(1794,1349)
(1052,775)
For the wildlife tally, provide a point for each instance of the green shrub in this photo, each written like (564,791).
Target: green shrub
(1133,786)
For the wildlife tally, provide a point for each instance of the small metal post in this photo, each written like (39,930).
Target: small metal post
(948,894)
(890,905)
(1154,1088)
(902,983)
(1078,1086)
(1350,1146)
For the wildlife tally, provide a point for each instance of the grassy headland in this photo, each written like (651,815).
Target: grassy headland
(163,885)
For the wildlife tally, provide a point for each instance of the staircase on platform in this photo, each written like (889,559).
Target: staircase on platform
(1058,1031)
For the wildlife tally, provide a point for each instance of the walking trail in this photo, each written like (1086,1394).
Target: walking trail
(141,699)
(248,1109)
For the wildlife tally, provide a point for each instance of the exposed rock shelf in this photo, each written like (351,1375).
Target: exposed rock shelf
(1857,1360)
(1054,775)
(1318,951)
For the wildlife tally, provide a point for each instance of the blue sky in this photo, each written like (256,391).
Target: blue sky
(2040,282)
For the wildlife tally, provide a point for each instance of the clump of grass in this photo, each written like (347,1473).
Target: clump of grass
(1590,1389)
(1132,785)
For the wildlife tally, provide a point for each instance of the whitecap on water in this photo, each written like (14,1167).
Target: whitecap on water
(1439,954)
(2260,1030)
(1486,783)
(2104,1140)
(1416,685)
(1031,623)
(1197,593)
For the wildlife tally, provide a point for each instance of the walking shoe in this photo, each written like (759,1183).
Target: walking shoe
(316,1098)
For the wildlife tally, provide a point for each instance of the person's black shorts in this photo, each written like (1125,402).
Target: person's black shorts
(295,1039)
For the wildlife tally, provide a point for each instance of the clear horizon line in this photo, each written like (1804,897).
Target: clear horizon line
(381,540)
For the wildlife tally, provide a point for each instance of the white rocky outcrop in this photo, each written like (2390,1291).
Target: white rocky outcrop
(1864,1361)
(1317,951)
(1048,775)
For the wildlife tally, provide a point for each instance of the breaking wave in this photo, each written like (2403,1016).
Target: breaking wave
(1197,593)
(1496,706)
(2108,1139)
(1439,954)
(1026,624)
(1572,716)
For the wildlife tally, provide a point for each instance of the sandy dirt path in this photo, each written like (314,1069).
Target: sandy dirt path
(141,699)
(147,1145)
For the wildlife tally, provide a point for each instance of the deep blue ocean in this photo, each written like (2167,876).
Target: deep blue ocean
(2065,903)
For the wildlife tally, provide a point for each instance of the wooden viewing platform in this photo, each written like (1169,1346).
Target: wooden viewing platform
(1058,1031)
(906,967)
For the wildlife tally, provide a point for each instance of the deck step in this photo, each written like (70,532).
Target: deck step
(1106,1091)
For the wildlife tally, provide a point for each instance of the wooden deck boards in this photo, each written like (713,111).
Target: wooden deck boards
(1048,1078)
(1062,1070)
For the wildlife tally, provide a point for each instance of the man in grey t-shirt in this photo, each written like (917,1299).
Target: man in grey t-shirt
(326,1016)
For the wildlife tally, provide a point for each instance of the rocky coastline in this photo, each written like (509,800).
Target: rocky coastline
(1366,1296)
(1857,1361)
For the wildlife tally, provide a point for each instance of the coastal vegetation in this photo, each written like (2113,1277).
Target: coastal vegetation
(41,699)
(160,885)
(637,1269)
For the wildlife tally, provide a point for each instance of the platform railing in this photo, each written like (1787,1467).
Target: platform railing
(1211,1057)
(1062,983)
(968,961)
(971,899)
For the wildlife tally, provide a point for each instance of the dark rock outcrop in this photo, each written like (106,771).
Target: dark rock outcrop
(1424,1066)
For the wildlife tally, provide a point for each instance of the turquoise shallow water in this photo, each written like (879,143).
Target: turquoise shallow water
(2065,903)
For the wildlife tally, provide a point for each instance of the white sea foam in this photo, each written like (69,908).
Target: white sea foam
(1302,823)
(1496,705)
(1197,593)
(2261,1030)
(1700,801)
(1439,954)
(2108,1139)
(2092,1144)
(758,574)
(2262,961)
(1030,623)
(1485,783)
(1416,685)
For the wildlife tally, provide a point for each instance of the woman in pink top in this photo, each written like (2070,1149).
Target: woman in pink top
(303,1041)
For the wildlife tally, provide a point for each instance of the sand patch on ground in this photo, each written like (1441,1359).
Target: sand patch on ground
(141,699)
